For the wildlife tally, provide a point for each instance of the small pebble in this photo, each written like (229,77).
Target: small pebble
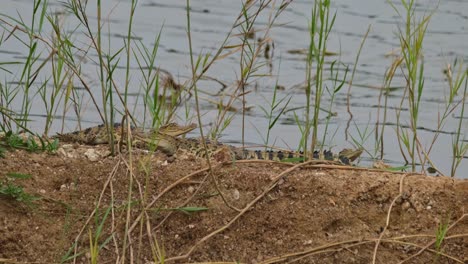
(406,205)
(92,155)
(236,194)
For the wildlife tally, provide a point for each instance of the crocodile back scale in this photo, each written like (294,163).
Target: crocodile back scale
(167,140)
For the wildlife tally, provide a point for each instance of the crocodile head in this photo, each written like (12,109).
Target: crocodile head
(174,129)
(350,154)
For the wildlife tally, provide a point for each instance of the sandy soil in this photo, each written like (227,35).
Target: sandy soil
(268,212)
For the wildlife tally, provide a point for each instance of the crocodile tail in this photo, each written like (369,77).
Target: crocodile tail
(246,154)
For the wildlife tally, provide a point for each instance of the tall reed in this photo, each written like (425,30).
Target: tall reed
(320,27)
(411,64)
(411,43)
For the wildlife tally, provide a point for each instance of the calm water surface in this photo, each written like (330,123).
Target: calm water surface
(446,39)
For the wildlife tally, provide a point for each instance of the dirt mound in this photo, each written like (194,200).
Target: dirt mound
(257,212)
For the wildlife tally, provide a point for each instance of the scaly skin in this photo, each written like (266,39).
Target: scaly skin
(175,130)
(98,134)
(166,140)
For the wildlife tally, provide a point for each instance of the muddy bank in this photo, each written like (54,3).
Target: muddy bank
(312,214)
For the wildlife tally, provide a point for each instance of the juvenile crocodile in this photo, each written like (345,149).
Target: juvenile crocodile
(166,140)
(170,145)
(99,134)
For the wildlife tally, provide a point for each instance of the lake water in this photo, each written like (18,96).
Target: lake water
(446,40)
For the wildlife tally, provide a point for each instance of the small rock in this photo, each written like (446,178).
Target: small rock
(104,153)
(61,152)
(405,195)
(281,181)
(259,257)
(68,152)
(380,164)
(418,206)
(92,155)
(67,146)
(236,194)
(72,154)
(191,189)
(406,205)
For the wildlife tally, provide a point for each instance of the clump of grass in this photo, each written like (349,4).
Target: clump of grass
(186,210)
(362,136)
(10,189)
(158,252)
(440,235)
(411,43)
(30,72)
(15,141)
(411,64)
(68,255)
(153,101)
(459,147)
(17,193)
(320,27)
(384,92)
(95,245)
(337,84)
(274,112)
(250,51)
